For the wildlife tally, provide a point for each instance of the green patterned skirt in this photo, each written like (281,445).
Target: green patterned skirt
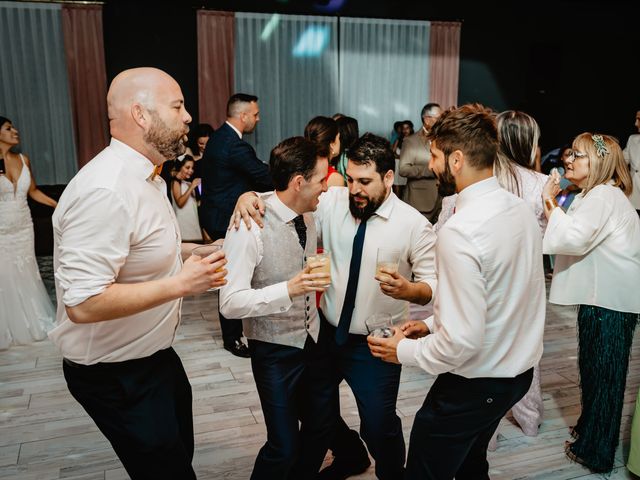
(604,343)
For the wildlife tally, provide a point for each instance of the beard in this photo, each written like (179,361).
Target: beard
(364,213)
(446,182)
(167,142)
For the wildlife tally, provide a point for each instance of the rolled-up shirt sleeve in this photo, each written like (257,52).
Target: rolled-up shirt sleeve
(243,250)
(94,240)
(423,255)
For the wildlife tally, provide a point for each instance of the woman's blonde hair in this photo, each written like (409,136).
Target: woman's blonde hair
(606,161)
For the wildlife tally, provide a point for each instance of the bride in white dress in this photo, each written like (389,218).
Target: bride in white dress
(183,196)
(26,312)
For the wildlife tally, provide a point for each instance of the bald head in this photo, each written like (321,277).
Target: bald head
(146,111)
(137,85)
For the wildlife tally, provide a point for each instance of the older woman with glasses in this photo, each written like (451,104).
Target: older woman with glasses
(597,248)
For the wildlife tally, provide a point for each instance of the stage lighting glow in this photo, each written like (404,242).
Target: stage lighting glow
(312,42)
(370,111)
(401,109)
(270,27)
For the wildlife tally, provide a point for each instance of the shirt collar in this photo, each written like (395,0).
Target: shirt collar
(280,209)
(469,194)
(386,208)
(137,163)
(235,129)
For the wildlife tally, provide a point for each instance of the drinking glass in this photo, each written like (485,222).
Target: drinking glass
(324,257)
(389,259)
(203,251)
(379,325)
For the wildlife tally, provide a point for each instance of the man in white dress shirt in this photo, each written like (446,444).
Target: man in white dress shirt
(353,223)
(120,282)
(271,288)
(486,332)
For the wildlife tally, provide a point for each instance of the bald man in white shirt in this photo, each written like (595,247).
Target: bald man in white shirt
(486,332)
(120,281)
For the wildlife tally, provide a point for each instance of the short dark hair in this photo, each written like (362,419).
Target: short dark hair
(428,107)
(235,102)
(291,157)
(321,131)
(471,129)
(4,120)
(370,148)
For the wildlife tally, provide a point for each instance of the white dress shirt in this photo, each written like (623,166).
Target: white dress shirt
(114,224)
(489,308)
(597,248)
(244,250)
(395,225)
(632,156)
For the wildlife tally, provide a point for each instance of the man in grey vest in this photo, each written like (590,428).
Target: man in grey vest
(272,290)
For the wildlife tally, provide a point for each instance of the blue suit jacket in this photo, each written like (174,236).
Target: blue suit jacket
(230,167)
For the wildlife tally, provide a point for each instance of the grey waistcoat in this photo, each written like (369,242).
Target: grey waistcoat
(282,259)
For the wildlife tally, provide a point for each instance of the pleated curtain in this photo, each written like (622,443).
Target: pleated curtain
(384,71)
(215,64)
(444,57)
(290,62)
(378,71)
(83,38)
(34,88)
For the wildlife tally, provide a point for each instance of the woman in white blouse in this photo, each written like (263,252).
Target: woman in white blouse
(519,134)
(514,167)
(597,268)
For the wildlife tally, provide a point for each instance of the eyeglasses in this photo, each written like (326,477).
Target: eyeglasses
(573,156)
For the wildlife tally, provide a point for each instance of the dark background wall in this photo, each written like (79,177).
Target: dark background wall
(573,65)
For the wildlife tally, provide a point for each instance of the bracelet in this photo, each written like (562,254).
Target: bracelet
(550,203)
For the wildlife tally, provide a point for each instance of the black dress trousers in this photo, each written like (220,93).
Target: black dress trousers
(143,407)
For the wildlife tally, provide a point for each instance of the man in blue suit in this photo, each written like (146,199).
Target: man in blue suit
(230,167)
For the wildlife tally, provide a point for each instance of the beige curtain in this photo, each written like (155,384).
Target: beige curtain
(215,65)
(84,52)
(444,69)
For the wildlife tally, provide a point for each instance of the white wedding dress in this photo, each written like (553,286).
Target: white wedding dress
(26,312)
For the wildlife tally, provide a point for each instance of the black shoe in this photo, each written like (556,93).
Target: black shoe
(342,468)
(238,349)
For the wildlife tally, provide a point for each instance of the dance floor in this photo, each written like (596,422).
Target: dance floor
(45,434)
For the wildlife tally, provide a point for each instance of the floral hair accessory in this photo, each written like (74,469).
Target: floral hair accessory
(601,148)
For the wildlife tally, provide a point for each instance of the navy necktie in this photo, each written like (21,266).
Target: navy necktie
(342,332)
(301,230)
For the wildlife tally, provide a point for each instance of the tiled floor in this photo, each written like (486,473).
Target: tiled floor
(45,434)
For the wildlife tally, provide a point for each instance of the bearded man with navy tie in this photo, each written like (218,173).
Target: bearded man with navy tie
(353,223)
